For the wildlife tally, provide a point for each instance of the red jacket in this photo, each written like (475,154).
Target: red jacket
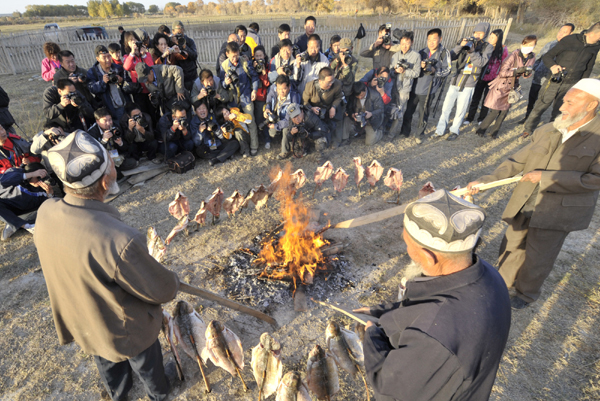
(129,63)
(261,93)
(14,150)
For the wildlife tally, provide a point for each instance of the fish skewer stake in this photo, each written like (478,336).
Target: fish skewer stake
(190,332)
(224,349)
(346,349)
(350,315)
(167,329)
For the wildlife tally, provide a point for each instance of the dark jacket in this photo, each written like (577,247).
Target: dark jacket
(13,185)
(201,138)
(574,54)
(443,67)
(102,90)
(130,136)
(82,87)
(345,74)
(443,341)
(387,87)
(311,122)
(373,104)
(271,105)
(302,43)
(226,94)
(381,57)
(14,150)
(164,128)
(248,80)
(96,132)
(6,119)
(67,117)
(188,65)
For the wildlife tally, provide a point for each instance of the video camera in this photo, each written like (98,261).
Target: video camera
(271,119)
(387,37)
(113,77)
(345,57)
(74,96)
(361,119)
(260,66)
(180,39)
(430,64)
(139,119)
(559,76)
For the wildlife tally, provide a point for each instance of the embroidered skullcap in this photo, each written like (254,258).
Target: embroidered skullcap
(589,85)
(443,222)
(345,43)
(78,160)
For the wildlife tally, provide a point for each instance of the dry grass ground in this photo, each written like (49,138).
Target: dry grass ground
(553,348)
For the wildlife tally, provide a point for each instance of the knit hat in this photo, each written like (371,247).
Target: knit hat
(177,25)
(589,85)
(482,27)
(78,160)
(345,43)
(443,222)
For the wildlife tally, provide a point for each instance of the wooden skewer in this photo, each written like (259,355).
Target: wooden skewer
(262,384)
(206,384)
(350,315)
(236,369)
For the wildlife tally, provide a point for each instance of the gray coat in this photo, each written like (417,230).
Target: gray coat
(169,80)
(404,81)
(309,71)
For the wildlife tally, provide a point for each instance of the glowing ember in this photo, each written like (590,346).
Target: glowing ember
(297,254)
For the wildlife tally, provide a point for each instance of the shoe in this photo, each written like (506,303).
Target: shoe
(283,156)
(9,230)
(158,159)
(214,161)
(495,136)
(345,142)
(524,135)
(523,120)
(452,137)
(418,140)
(30,228)
(517,303)
(268,145)
(435,137)
(466,122)
(480,133)
(253,152)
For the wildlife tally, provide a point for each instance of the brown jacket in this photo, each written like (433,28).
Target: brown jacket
(570,178)
(105,289)
(312,95)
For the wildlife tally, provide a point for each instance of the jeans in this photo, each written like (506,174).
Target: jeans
(462,99)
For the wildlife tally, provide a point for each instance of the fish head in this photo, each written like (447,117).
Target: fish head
(183,308)
(269,343)
(333,329)
(214,329)
(292,380)
(317,353)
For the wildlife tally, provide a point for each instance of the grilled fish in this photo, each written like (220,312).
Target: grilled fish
(224,349)
(322,375)
(188,322)
(266,364)
(167,329)
(292,388)
(340,179)
(180,206)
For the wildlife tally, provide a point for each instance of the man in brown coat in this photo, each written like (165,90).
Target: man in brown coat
(557,194)
(105,289)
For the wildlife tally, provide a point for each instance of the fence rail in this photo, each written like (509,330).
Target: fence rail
(23,53)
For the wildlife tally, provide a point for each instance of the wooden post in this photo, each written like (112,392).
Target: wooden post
(508,24)
(461,33)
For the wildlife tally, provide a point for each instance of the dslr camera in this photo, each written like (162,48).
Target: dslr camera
(381,82)
(304,56)
(182,122)
(260,66)
(402,63)
(80,77)
(180,39)
(322,112)
(231,74)
(271,119)
(361,119)
(139,119)
(345,57)
(210,91)
(113,77)
(387,38)
(74,96)
(559,76)
(430,64)
(295,50)
(53,137)
(228,128)
(155,98)
(116,132)
(139,44)
(288,69)
(470,43)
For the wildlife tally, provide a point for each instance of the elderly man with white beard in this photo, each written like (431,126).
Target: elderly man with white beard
(445,338)
(557,194)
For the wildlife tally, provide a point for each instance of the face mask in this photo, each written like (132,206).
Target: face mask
(526,50)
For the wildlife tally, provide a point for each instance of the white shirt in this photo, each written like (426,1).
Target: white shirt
(567,134)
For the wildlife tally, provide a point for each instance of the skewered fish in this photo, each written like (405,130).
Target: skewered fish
(322,375)
(266,365)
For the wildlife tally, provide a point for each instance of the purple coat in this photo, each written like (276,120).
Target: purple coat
(497,97)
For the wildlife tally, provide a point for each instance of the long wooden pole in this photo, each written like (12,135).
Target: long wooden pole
(350,315)
(183,287)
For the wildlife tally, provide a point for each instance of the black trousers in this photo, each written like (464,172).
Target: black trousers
(499,116)
(551,92)
(481,91)
(225,151)
(534,91)
(148,365)
(136,148)
(12,208)
(416,103)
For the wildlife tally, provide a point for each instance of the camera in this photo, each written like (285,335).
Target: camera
(260,66)
(139,119)
(155,98)
(295,50)
(210,91)
(402,64)
(361,119)
(180,39)
(304,56)
(470,43)
(80,77)
(49,181)
(387,38)
(231,74)
(116,132)
(113,77)
(271,119)
(139,44)
(74,96)
(300,142)
(430,64)
(182,122)
(227,129)
(381,82)
(559,76)
(53,137)
(322,112)
(345,56)
(288,70)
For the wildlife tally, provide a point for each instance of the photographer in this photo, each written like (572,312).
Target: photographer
(283,33)
(43,141)
(309,63)
(245,80)
(14,151)
(136,127)
(280,97)
(22,192)
(232,38)
(105,80)
(382,50)
(406,64)
(364,113)
(436,65)
(569,61)
(187,47)
(234,125)
(66,106)
(344,65)
(165,83)
(472,55)
(162,53)
(324,97)
(69,70)
(382,82)
(261,66)
(208,89)
(175,131)
(209,139)
(136,52)
(283,62)
(334,48)
(111,137)
(303,126)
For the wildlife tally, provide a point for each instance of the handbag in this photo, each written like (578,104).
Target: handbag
(182,163)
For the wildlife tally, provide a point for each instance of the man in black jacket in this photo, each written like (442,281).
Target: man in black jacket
(364,113)
(136,127)
(444,339)
(188,48)
(105,80)
(209,90)
(6,119)
(303,125)
(70,70)
(569,61)
(175,130)
(111,137)
(66,106)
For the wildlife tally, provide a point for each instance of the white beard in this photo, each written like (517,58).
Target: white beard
(113,189)
(560,124)
(413,270)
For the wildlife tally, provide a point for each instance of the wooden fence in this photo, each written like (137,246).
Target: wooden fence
(23,53)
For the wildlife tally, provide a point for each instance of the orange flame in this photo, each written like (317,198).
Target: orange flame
(297,254)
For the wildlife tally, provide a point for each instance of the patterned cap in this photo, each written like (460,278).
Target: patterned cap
(443,222)
(100,49)
(294,110)
(78,160)
(345,43)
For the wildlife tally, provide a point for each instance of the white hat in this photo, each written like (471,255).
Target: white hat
(589,85)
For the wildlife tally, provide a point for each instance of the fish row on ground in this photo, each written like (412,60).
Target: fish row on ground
(223,348)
